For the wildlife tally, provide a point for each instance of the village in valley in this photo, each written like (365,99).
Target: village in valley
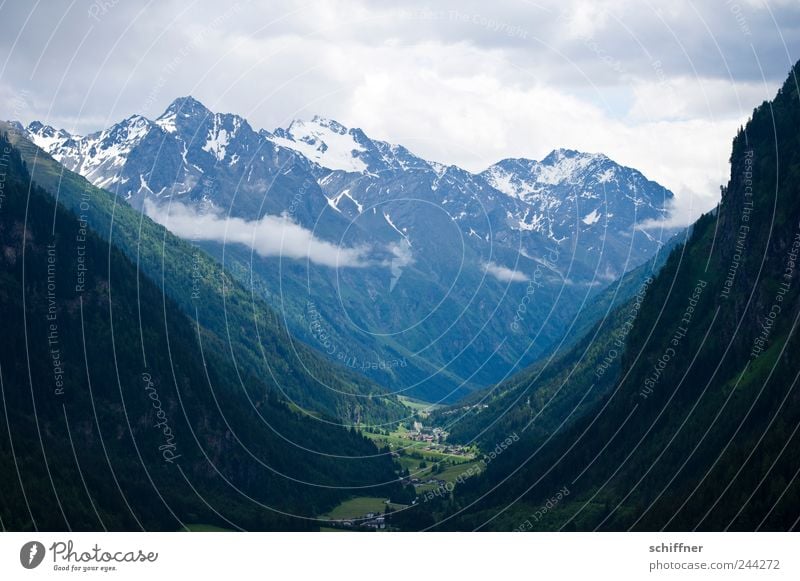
(425,460)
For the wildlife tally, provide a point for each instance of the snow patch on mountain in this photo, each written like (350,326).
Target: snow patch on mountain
(536,223)
(606,176)
(591,218)
(48,138)
(325,142)
(217,142)
(334,202)
(98,156)
(564,166)
(167,122)
(388,219)
(219,137)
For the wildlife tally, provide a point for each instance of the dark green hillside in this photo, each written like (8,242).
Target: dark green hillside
(551,392)
(560,387)
(701,429)
(119,412)
(251,333)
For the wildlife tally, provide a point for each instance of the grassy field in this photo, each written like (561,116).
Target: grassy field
(453,472)
(412,463)
(396,506)
(358,507)
(417,405)
(449,474)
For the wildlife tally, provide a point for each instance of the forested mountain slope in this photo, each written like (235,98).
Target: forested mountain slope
(119,412)
(253,335)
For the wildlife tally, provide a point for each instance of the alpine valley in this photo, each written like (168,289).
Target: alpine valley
(209,326)
(428,279)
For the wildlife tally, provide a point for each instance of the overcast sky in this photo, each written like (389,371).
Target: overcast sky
(660,86)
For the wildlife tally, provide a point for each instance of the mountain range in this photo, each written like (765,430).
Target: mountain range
(417,274)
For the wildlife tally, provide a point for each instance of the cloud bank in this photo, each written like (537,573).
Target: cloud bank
(271,236)
(504,274)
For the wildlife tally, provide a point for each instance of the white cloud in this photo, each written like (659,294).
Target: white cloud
(504,274)
(269,236)
(679,215)
(682,98)
(402,257)
(477,119)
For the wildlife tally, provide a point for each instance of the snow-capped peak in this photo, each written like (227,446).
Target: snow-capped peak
(132,129)
(565,165)
(331,124)
(182,112)
(520,178)
(325,142)
(46,137)
(563,153)
(187,106)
